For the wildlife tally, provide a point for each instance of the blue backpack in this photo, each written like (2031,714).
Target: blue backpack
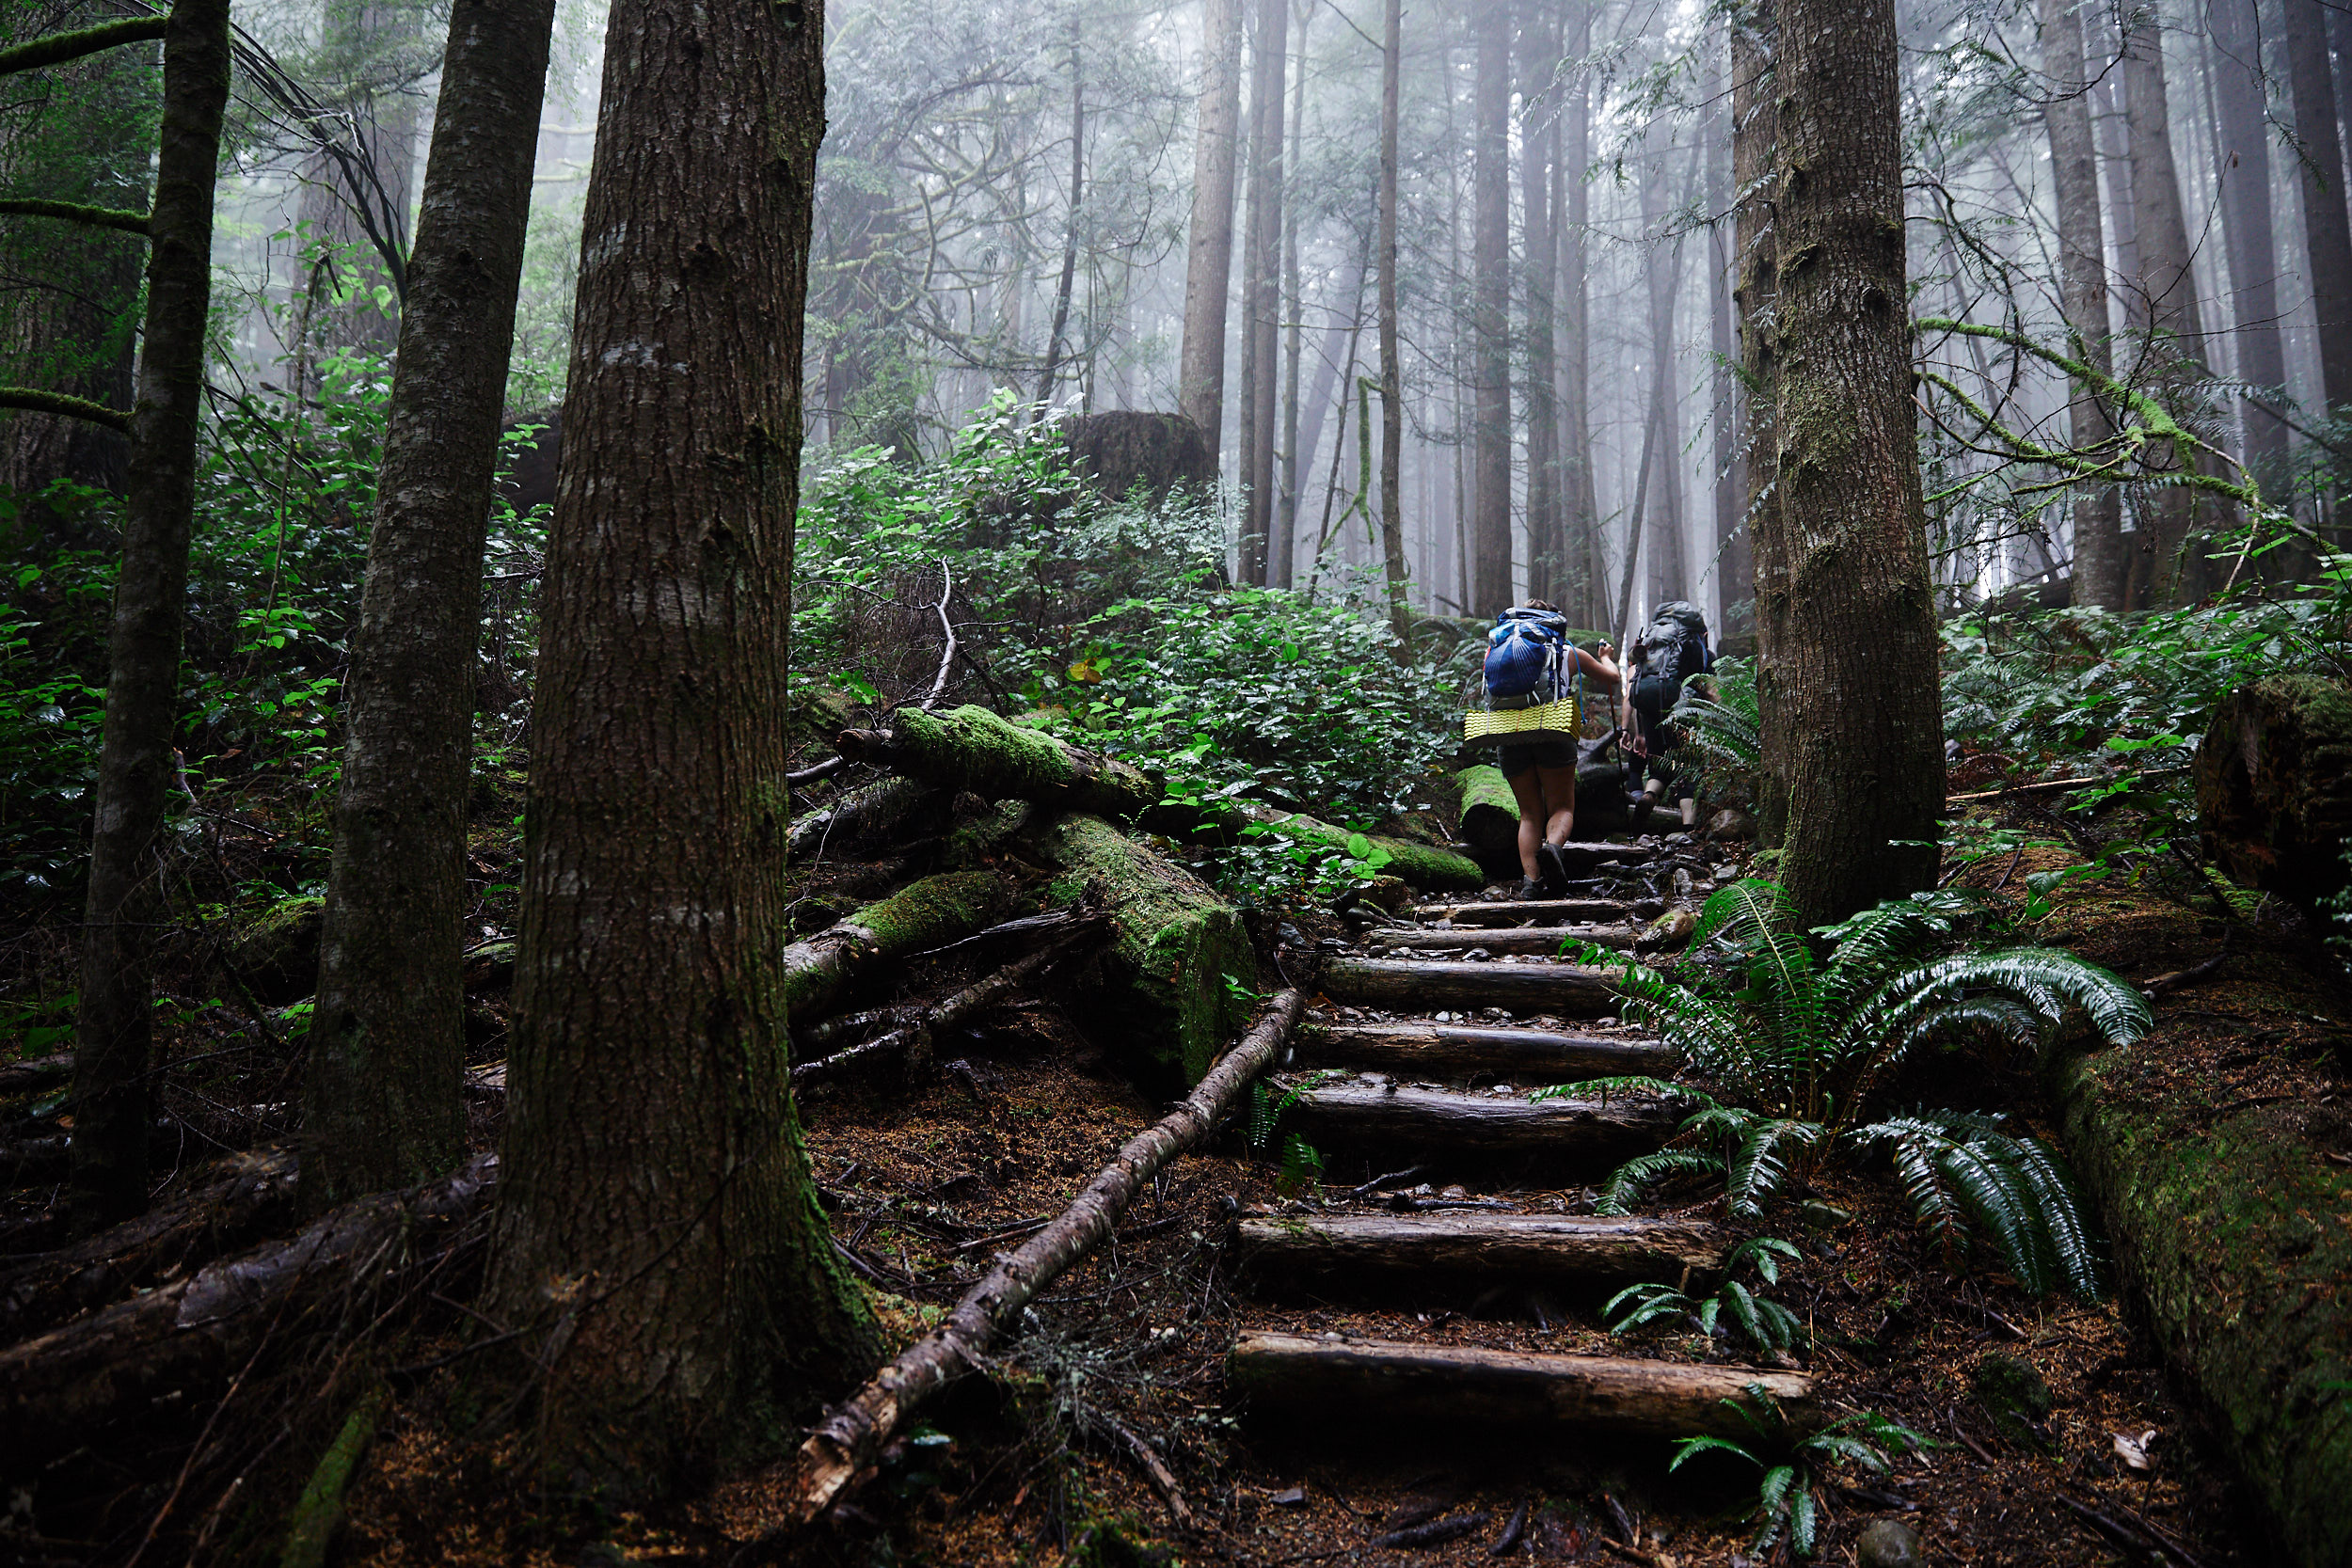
(1525,656)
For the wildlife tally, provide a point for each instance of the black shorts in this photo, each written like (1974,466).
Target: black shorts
(1525,757)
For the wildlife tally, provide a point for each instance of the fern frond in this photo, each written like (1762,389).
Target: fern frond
(2043,978)
(1595,1089)
(2012,1188)
(1758,1167)
(1629,1182)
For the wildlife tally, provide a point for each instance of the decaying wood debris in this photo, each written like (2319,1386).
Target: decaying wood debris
(848,1440)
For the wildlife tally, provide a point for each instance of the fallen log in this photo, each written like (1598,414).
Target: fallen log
(1543,939)
(1445,1391)
(2274,787)
(1552,912)
(1174,985)
(1473,1248)
(1443,1051)
(911,1041)
(1562,990)
(62,1388)
(1490,819)
(254,1194)
(864,814)
(972,749)
(1583,1135)
(41,1072)
(818,972)
(854,1432)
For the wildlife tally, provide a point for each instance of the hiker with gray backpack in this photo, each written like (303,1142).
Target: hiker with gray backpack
(1669,652)
(1535,681)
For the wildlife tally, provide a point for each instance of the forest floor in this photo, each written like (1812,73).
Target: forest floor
(1038,1465)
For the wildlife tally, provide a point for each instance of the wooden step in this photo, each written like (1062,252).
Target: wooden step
(1475,1247)
(1547,912)
(1423,985)
(1544,939)
(1422,1051)
(1445,1390)
(1587,1136)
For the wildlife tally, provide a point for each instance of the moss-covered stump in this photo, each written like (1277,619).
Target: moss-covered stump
(2234,1235)
(277,952)
(1162,987)
(2273,786)
(820,972)
(971,748)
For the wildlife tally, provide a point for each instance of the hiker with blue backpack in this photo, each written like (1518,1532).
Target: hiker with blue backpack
(1670,652)
(1534,680)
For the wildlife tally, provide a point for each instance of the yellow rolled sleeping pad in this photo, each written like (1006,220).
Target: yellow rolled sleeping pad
(1556,717)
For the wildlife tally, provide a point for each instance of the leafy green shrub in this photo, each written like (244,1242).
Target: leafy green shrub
(1801,1049)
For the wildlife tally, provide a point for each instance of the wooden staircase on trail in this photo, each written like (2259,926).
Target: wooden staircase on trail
(1419,1058)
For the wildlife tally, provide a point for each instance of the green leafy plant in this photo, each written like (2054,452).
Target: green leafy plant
(1798,1049)
(1766,1323)
(1724,725)
(1266,1106)
(1787,1500)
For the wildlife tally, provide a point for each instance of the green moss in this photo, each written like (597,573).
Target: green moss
(969,843)
(1432,870)
(929,914)
(2236,1241)
(277,952)
(1164,980)
(971,748)
(2013,1396)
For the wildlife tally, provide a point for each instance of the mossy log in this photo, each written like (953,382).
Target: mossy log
(864,815)
(40,1072)
(1446,1390)
(1443,1051)
(2273,786)
(319,1511)
(822,971)
(1476,1249)
(1162,987)
(1490,819)
(2230,1232)
(1561,990)
(972,749)
(277,952)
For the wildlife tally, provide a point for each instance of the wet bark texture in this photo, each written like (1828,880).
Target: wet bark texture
(1209,260)
(1854,644)
(1490,327)
(2242,137)
(1756,289)
(135,761)
(661,1232)
(384,1093)
(2098,572)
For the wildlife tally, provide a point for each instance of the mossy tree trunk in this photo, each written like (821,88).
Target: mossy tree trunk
(2273,786)
(384,1090)
(135,761)
(1842,563)
(661,1232)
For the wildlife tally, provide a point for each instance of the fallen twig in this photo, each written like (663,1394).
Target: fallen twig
(2045,785)
(2188,976)
(846,1441)
(1161,1479)
(1433,1533)
(2146,1540)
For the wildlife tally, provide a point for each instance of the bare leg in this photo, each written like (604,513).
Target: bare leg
(1558,787)
(1529,793)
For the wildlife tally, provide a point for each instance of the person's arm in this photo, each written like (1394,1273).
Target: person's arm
(1600,666)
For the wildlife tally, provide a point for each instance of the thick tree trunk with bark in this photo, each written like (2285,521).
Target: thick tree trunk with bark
(1391,369)
(1490,327)
(1583,567)
(1731,560)
(1261,292)
(1854,641)
(661,1232)
(2244,158)
(136,763)
(1755,289)
(1540,59)
(2273,786)
(384,1092)
(1209,257)
(2326,221)
(2099,567)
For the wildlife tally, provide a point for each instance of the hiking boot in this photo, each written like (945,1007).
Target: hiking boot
(1556,869)
(1530,889)
(1640,809)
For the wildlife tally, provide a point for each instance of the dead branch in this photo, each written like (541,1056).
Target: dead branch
(846,1442)
(946,624)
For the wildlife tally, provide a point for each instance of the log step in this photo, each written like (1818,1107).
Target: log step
(1586,1134)
(1405,1387)
(1473,1247)
(1444,1051)
(1524,939)
(1423,985)
(1552,912)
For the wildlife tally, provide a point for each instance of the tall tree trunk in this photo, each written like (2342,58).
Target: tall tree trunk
(1539,138)
(2339,47)
(2243,167)
(1581,547)
(1666,578)
(1293,339)
(1727,560)
(1392,372)
(1346,309)
(358,204)
(2099,566)
(1260,294)
(659,1231)
(1490,274)
(2168,285)
(2108,116)
(1755,289)
(1068,279)
(2327,227)
(1857,695)
(135,760)
(384,1089)
(1209,255)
